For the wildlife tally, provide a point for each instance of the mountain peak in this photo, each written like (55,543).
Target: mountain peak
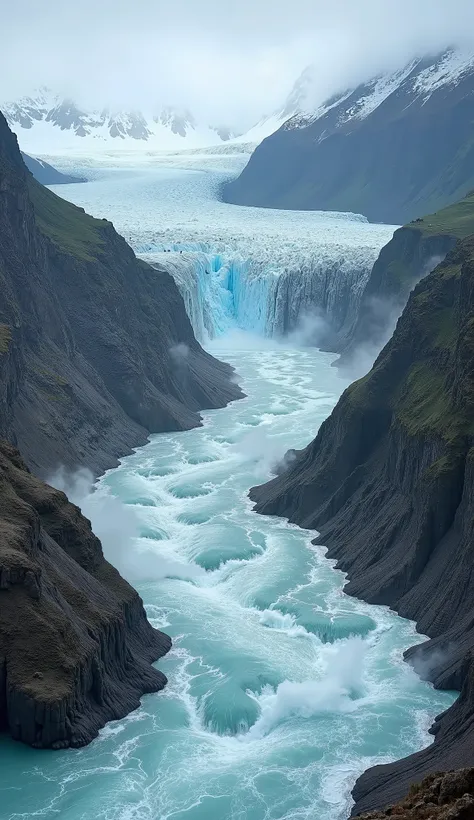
(46,122)
(392,148)
(420,77)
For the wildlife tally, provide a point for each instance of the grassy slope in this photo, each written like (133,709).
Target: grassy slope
(68,227)
(455,220)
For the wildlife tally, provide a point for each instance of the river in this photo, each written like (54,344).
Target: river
(281,688)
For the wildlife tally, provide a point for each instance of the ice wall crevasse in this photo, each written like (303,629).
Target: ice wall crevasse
(274,294)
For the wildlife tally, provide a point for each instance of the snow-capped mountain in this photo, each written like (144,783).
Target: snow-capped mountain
(418,80)
(392,148)
(48,123)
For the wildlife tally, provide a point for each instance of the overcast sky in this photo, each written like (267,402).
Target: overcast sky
(229,61)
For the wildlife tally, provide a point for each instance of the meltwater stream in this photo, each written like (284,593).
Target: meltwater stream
(281,688)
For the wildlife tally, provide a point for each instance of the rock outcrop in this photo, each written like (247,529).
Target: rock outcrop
(75,645)
(389,484)
(96,349)
(441,796)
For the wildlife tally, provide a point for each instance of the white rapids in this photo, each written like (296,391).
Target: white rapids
(281,688)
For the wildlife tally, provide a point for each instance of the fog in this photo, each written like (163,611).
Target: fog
(229,62)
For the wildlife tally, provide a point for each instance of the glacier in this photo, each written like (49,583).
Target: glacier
(274,273)
(315,295)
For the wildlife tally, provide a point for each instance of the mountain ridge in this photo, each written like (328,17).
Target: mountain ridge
(46,174)
(46,120)
(393,149)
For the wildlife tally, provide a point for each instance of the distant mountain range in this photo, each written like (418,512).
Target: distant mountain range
(45,122)
(393,148)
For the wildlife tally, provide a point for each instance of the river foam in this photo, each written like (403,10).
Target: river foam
(281,688)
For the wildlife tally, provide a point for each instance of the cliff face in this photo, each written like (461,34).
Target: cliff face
(75,645)
(389,484)
(96,347)
(96,350)
(414,251)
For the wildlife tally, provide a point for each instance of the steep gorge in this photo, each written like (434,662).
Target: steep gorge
(96,351)
(389,484)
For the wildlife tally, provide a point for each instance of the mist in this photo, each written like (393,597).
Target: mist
(118,527)
(380,320)
(229,63)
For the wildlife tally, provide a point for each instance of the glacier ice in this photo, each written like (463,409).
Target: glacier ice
(271,295)
(270,272)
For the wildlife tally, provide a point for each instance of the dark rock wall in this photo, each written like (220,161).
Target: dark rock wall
(388,483)
(406,259)
(96,349)
(75,645)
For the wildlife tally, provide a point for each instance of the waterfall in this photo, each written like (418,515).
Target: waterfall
(272,293)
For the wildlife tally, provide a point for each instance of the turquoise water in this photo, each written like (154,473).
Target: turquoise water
(281,689)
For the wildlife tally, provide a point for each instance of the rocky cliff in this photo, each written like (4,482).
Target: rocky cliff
(389,484)
(396,147)
(442,796)
(96,350)
(412,253)
(96,347)
(75,645)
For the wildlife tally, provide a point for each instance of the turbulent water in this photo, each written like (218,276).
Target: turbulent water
(271,272)
(281,688)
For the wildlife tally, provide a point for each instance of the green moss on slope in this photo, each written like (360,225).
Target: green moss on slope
(68,227)
(433,395)
(425,402)
(455,220)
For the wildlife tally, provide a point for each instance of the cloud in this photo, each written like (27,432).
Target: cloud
(229,62)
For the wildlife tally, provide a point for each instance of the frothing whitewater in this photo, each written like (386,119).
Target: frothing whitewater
(281,688)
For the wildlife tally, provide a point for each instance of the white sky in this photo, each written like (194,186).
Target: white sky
(229,61)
